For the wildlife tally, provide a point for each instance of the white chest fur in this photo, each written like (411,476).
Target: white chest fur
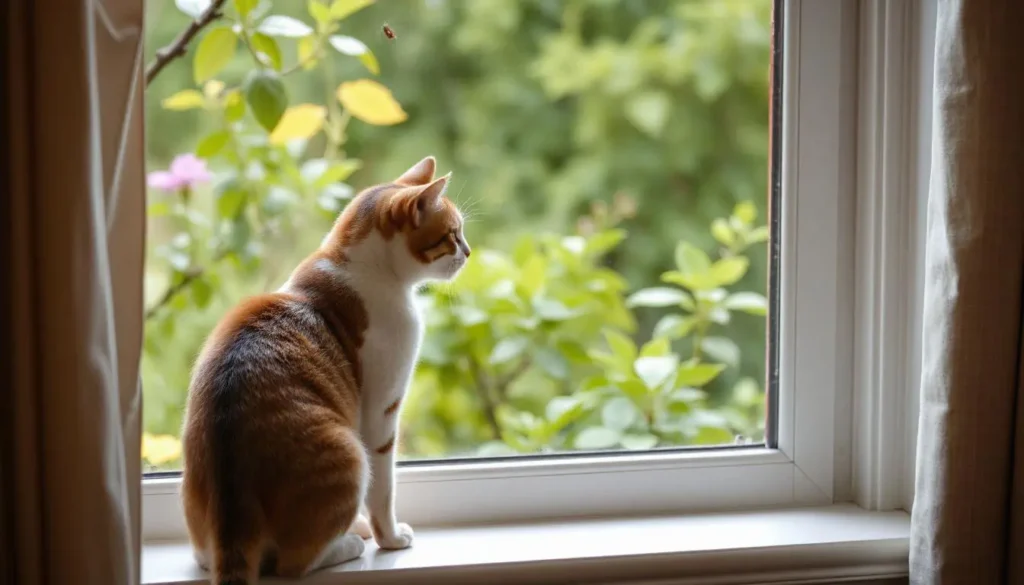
(390,346)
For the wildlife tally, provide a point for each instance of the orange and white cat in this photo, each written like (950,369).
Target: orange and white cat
(292,414)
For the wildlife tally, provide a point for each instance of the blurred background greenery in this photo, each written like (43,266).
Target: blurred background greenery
(596,145)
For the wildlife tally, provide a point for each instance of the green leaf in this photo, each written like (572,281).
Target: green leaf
(719,315)
(338,172)
(278,25)
(648,112)
(655,370)
(341,9)
(470,316)
(516,441)
(746,392)
(721,231)
(746,212)
(552,310)
(674,326)
(234,106)
(202,292)
(595,438)
(244,7)
(193,8)
(353,47)
(551,362)
(187,99)
(267,98)
(214,52)
(277,200)
(602,242)
(573,351)
(320,12)
(230,199)
(694,282)
(532,277)
(758,235)
(212,143)
(721,349)
(240,234)
(696,375)
(657,347)
(333,197)
(688,395)
(658,296)
(635,389)
(729,270)
(563,410)
(622,346)
(508,349)
(748,302)
(313,169)
(619,413)
(691,260)
(639,442)
(267,50)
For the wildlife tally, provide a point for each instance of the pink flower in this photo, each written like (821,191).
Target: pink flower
(187,171)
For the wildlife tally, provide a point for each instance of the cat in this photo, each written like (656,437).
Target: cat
(295,396)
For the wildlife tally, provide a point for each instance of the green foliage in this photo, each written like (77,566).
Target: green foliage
(596,141)
(531,351)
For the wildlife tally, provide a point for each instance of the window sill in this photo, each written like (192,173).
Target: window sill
(811,544)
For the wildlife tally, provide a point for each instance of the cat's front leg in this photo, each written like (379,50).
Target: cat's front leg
(380,500)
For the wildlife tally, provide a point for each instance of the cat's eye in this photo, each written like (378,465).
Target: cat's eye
(443,239)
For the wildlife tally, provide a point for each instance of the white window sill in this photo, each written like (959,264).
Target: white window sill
(811,544)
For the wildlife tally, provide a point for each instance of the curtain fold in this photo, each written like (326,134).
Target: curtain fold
(72,242)
(968,515)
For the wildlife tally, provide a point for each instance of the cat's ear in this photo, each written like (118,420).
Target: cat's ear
(428,196)
(413,203)
(420,173)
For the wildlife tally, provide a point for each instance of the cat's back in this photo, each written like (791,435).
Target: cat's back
(266,345)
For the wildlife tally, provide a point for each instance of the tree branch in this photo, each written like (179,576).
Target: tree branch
(190,276)
(501,384)
(177,48)
(173,290)
(483,389)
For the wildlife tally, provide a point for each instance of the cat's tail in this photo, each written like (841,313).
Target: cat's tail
(236,516)
(237,536)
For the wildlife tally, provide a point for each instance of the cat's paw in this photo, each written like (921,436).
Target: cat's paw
(361,526)
(402,538)
(201,560)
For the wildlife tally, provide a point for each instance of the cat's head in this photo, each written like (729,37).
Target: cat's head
(410,225)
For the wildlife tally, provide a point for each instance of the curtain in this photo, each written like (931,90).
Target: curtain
(71,257)
(968,514)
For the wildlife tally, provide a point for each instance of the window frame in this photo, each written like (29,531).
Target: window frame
(824,408)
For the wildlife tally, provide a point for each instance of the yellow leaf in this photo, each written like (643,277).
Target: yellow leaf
(213,88)
(341,9)
(307,48)
(301,121)
(160,449)
(371,102)
(188,99)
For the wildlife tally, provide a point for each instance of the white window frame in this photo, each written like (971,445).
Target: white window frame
(850,211)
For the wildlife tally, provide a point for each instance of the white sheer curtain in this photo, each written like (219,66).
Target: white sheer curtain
(72,240)
(968,516)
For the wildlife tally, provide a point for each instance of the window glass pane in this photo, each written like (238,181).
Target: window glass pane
(612,160)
